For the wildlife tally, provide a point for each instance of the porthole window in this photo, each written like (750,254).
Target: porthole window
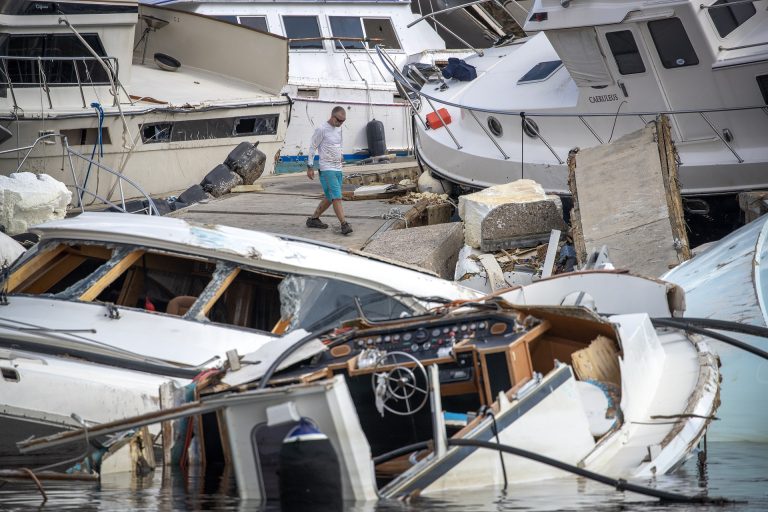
(530,128)
(495,126)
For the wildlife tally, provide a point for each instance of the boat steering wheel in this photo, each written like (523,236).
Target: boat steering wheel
(398,388)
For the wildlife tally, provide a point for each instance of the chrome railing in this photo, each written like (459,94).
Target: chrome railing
(39,73)
(526,117)
(80,190)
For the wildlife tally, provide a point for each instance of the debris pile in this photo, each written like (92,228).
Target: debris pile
(415,197)
(27,199)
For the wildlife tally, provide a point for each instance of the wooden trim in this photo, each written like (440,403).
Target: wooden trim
(52,274)
(220,291)
(33,266)
(101,284)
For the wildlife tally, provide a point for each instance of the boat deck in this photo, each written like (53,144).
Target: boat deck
(288,199)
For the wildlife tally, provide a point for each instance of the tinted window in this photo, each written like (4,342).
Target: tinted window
(230,19)
(541,71)
(624,50)
(727,19)
(200,129)
(257,22)
(762,83)
(302,27)
(54,50)
(672,43)
(376,28)
(347,26)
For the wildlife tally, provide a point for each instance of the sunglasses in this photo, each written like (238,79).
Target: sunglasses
(340,121)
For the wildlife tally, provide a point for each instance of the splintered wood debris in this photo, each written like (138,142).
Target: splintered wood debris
(415,197)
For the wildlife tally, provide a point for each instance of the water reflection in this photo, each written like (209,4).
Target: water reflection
(737,471)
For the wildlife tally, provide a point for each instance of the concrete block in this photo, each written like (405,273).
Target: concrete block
(220,180)
(27,199)
(516,214)
(434,248)
(193,194)
(247,161)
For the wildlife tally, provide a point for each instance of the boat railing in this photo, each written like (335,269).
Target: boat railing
(17,72)
(432,16)
(81,190)
(416,95)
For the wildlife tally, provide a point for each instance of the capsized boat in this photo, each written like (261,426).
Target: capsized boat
(170,298)
(400,407)
(729,281)
(42,394)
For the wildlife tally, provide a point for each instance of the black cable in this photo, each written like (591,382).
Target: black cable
(522,145)
(400,451)
(687,326)
(287,352)
(489,412)
(725,325)
(619,484)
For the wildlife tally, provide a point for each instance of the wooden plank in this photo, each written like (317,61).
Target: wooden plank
(52,274)
(599,361)
(32,267)
(109,277)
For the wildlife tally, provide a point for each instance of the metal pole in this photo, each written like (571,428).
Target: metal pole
(506,157)
(479,52)
(395,72)
(458,146)
(79,83)
(538,134)
(720,136)
(591,130)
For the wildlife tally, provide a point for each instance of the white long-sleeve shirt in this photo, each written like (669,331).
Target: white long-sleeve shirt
(326,142)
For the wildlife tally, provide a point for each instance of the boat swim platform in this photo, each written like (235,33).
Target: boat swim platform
(288,199)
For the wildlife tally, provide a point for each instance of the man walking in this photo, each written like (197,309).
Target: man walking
(326,142)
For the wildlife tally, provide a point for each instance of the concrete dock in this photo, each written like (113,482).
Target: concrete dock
(288,199)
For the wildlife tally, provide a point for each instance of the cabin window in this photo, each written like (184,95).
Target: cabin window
(303,27)
(156,132)
(58,64)
(762,83)
(672,43)
(347,26)
(228,19)
(730,17)
(541,72)
(625,51)
(314,303)
(86,136)
(201,129)
(380,28)
(257,22)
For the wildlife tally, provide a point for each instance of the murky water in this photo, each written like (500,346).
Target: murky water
(737,471)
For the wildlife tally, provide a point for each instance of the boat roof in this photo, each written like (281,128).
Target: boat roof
(251,248)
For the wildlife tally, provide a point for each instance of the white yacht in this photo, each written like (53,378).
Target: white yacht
(594,71)
(332,62)
(88,86)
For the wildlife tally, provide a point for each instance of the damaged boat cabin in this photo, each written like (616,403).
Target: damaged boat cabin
(415,396)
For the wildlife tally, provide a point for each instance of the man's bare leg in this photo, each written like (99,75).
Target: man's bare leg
(338,208)
(324,204)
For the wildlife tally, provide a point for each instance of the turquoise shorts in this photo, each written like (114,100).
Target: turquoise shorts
(331,182)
